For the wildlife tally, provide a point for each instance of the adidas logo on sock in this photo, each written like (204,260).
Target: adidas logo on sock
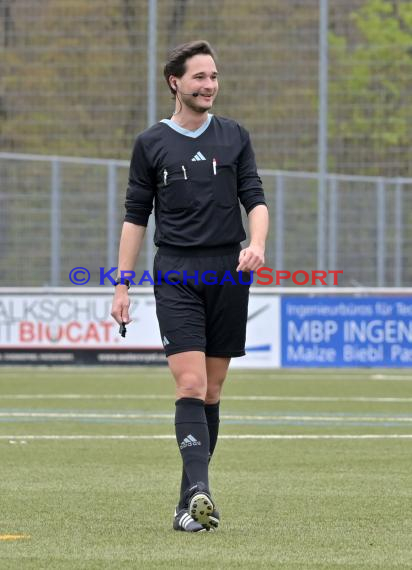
(189,441)
(198,156)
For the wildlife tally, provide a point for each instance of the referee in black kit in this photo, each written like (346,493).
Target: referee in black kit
(196,167)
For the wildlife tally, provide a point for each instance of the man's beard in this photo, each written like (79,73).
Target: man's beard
(190,102)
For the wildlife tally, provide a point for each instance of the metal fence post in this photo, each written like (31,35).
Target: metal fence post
(151,63)
(322,128)
(333,222)
(398,233)
(151,105)
(55,223)
(149,243)
(279,228)
(380,233)
(111,220)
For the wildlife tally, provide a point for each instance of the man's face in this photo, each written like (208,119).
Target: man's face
(200,77)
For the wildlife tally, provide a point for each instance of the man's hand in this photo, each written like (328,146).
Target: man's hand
(251,258)
(120,305)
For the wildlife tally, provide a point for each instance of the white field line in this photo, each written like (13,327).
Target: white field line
(238,417)
(264,374)
(281,374)
(161,369)
(84,437)
(365,399)
(400,377)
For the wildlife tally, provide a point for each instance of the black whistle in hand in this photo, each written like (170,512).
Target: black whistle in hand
(122,330)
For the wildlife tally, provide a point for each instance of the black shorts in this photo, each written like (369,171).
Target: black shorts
(204,305)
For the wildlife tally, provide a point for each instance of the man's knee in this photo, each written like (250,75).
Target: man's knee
(191,385)
(214,389)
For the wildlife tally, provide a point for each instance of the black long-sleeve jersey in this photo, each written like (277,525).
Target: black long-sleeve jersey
(195,181)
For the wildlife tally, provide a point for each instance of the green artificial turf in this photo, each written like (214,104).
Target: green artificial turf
(285,503)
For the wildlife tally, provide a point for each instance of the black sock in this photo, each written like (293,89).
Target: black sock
(212,417)
(192,437)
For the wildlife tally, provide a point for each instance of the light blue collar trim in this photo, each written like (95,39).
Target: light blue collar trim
(186,132)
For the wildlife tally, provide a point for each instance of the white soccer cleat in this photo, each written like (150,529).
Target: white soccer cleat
(201,506)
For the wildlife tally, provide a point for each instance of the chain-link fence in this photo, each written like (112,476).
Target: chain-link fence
(322,85)
(82,77)
(62,213)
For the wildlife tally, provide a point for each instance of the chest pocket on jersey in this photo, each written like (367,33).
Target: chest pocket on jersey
(174,188)
(224,183)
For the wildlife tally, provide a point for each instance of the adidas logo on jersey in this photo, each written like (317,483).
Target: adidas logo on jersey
(198,156)
(189,441)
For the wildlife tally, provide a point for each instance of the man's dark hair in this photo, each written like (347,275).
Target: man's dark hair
(176,61)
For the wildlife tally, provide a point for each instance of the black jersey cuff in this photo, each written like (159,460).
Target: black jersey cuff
(138,220)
